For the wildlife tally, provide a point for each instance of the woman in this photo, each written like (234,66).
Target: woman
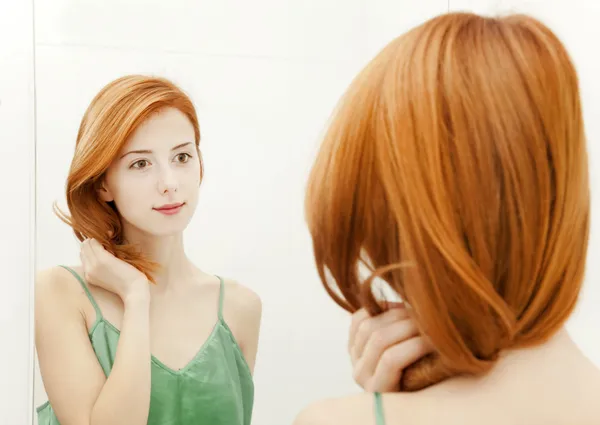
(455,169)
(137,334)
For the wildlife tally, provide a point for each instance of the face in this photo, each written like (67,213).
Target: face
(155,179)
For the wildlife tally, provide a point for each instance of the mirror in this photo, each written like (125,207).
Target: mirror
(264,78)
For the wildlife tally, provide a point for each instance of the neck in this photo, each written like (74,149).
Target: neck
(166,251)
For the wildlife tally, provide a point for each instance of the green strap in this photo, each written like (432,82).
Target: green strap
(86,289)
(221,297)
(379,418)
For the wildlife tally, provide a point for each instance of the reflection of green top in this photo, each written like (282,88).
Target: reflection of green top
(214,388)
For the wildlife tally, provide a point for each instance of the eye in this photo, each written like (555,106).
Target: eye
(182,158)
(140,165)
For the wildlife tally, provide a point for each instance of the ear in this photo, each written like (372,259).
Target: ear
(103,192)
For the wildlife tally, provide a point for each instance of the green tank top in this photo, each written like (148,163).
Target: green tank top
(379,418)
(214,388)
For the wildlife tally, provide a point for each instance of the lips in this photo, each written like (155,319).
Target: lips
(168,207)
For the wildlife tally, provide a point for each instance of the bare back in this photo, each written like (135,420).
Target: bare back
(551,385)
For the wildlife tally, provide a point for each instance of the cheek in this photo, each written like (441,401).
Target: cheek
(189,186)
(190,176)
(132,195)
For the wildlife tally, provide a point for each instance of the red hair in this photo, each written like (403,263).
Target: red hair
(111,118)
(455,168)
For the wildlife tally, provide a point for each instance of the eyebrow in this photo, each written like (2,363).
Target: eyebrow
(146,151)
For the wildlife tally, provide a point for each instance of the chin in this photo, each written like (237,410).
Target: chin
(161,227)
(168,229)
(162,233)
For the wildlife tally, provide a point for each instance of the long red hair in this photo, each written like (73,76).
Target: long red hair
(455,169)
(111,118)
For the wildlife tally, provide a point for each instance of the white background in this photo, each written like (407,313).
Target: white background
(17,124)
(264,76)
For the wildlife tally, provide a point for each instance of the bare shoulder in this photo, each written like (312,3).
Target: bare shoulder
(242,311)
(57,297)
(55,282)
(349,410)
(405,408)
(241,299)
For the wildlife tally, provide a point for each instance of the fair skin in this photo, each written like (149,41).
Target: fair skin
(553,384)
(170,320)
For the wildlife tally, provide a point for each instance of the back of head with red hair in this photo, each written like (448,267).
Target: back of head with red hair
(455,168)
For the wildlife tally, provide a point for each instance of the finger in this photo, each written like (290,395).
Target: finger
(82,255)
(379,341)
(83,249)
(368,326)
(88,260)
(357,318)
(394,360)
(89,251)
(94,246)
(85,259)
(98,250)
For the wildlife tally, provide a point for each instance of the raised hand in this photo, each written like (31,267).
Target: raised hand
(381,347)
(101,268)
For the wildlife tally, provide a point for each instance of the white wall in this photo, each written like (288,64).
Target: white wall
(17,181)
(265,76)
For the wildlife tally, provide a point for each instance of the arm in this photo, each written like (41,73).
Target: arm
(77,388)
(125,397)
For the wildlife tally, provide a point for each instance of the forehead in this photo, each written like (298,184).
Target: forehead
(162,130)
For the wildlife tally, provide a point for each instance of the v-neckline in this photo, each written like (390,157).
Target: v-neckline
(155,359)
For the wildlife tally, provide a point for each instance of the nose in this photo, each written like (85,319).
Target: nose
(167,181)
